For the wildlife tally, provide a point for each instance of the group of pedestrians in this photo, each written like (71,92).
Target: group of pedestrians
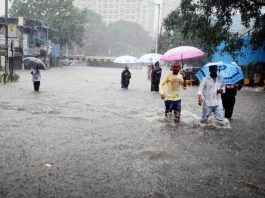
(153,73)
(213,95)
(209,95)
(216,97)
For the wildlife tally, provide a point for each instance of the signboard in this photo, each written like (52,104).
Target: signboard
(2,61)
(20,21)
(25,44)
(9,53)
(3,41)
(12,31)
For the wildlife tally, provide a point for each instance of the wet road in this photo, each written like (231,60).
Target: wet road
(82,136)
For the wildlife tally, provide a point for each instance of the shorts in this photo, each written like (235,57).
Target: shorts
(173,106)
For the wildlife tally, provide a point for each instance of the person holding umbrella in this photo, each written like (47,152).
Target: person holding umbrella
(174,81)
(149,70)
(155,77)
(229,98)
(232,78)
(36,65)
(36,77)
(209,95)
(125,78)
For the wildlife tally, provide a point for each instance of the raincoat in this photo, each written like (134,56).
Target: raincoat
(125,78)
(229,99)
(155,77)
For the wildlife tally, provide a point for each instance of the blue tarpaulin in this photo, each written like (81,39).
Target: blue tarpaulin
(250,56)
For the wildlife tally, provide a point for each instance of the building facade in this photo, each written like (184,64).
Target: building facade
(29,38)
(147,13)
(115,10)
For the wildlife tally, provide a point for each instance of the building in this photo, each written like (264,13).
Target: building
(148,13)
(169,6)
(29,38)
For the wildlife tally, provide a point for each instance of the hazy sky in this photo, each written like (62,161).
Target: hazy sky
(2,7)
(169,3)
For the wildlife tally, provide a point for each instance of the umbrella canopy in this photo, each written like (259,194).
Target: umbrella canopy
(126,59)
(32,62)
(149,58)
(182,53)
(229,71)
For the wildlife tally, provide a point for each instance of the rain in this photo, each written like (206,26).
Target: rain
(82,135)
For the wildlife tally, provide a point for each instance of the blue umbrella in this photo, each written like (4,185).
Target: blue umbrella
(229,71)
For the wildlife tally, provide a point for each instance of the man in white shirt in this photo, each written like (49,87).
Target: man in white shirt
(209,95)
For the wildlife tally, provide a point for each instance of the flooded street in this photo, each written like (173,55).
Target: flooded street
(82,136)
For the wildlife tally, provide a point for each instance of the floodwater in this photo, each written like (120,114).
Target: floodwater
(82,136)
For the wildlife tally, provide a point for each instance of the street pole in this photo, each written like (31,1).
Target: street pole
(6,43)
(158,22)
(158,4)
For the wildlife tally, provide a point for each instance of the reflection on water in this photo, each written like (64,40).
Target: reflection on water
(83,136)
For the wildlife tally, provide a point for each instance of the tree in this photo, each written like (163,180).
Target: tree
(207,23)
(60,15)
(119,38)
(95,35)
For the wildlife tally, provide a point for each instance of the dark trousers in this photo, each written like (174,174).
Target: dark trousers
(125,83)
(36,85)
(228,104)
(154,86)
(173,108)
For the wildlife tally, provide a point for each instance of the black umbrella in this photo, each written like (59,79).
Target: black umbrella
(32,63)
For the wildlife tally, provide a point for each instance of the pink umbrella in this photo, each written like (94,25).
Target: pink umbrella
(182,53)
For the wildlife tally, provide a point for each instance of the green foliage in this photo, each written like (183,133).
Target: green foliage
(119,38)
(60,15)
(95,35)
(85,28)
(13,77)
(207,23)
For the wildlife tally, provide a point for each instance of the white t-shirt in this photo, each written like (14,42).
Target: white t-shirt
(36,76)
(208,90)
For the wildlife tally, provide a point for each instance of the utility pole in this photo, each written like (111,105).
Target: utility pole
(6,44)
(158,28)
(157,3)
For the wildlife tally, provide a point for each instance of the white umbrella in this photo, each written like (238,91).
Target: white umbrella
(126,59)
(32,63)
(149,58)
